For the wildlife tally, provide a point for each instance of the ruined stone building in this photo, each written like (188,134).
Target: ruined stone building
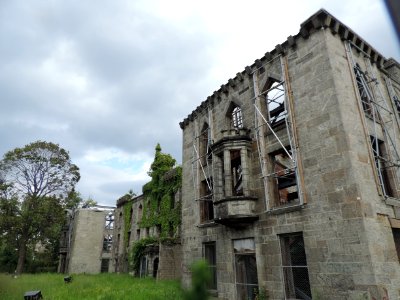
(290,184)
(138,220)
(86,240)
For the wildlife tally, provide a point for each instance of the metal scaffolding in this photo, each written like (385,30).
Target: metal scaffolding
(379,120)
(279,109)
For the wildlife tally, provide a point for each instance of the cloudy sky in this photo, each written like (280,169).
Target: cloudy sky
(108,80)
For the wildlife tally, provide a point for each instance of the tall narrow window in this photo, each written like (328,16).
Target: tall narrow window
(140,213)
(206,202)
(363,90)
(396,237)
(236,173)
(130,216)
(246,269)
(210,256)
(109,221)
(382,166)
(237,118)
(275,98)
(284,176)
(205,144)
(107,243)
(294,265)
(105,263)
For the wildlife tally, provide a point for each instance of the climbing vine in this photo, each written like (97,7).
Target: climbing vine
(159,207)
(127,221)
(137,251)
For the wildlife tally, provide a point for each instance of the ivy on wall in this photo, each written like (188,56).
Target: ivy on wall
(159,207)
(127,221)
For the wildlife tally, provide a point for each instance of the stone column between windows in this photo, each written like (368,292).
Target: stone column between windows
(245,171)
(227,173)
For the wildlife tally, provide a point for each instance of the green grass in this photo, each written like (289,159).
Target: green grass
(97,287)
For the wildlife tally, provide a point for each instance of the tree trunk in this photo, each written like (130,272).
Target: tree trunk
(21,255)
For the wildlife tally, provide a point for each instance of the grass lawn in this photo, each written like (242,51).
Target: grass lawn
(98,287)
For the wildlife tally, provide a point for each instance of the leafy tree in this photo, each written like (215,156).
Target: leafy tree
(36,185)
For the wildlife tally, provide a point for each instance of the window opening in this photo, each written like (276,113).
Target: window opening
(284,175)
(236,173)
(107,243)
(396,237)
(138,234)
(294,265)
(130,215)
(275,98)
(105,263)
(211,257)
(205,144)
(382,166)
(155,267)
(129,238)
(109,221)
(237,118)
(246,269)
(206,202)
(140,213)
(363,90)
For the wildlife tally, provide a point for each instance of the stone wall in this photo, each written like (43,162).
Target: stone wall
(344,220)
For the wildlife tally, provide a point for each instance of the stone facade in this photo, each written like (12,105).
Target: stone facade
(290,172)
(86,242)
(160,259)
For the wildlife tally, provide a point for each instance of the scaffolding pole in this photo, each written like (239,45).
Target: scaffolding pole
(373,106)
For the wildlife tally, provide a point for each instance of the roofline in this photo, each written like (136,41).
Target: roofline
(321,19)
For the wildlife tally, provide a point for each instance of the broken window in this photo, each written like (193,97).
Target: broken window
(109,221)
(140,213)
(206,202)
(130,216)
(107,243)
(129,238)
(382,166)
(205,144)
(275,98)
(236,173)
(294,265)
(246,269)
(138,234)
(284,175)
(105,263)
(210,256)
(143,266)
(396,237)
(237,118)
(365,94)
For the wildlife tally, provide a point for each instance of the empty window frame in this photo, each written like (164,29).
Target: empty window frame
(284,178)
(294,267)
(129,239)
(363,90)
(140,213)
(210,255)
(382,166)
(107,243)
(245,269)
(143,266)
(396,237)
(205,144)
(237,118)
(236,173)
(109,223)
(206,202)
(105,263)
(275,98)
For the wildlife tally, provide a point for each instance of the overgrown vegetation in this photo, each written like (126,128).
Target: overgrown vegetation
(159,207)
(137,251)
(85,287)
(201,277)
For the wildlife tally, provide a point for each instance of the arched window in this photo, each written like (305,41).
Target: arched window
(140,213)
(237,118)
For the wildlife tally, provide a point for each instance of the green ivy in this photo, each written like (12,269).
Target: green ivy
(127,221)
(159,195)
(137,251)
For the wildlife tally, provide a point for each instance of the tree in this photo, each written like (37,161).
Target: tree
(36,184)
